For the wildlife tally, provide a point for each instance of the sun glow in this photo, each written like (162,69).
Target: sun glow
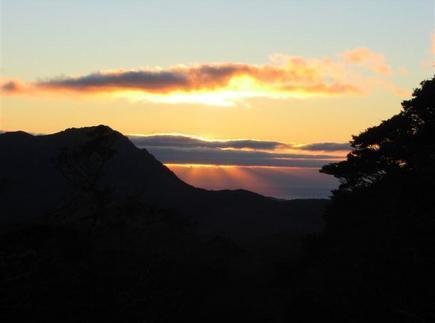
(234,93)
(216,176)
(284,182)
(171,165)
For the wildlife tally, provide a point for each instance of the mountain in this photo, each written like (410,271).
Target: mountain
(99,169)
(94,229)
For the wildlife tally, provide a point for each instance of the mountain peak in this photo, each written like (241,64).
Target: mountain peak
(84,167)
(92,130)
(15,135)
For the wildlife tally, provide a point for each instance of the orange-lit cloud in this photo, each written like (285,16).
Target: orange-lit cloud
(364,56)
(14,87)
(222,84)
(185,141)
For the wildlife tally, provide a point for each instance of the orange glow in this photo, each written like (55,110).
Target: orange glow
(236,91)
(202,166)
(53,104)
(210,166)
(217,176)
(222,84)
(282,182)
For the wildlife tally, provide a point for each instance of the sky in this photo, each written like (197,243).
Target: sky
(229,94)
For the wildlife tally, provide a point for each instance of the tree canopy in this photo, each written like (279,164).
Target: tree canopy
(402,145)
(376,258)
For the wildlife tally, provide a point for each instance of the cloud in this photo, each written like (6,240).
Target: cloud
(182,149)
(165,140)
(160,81)
(366,57)
(184,141)
(215,156)
(297,77)
(223,84)
(326,146)
(12,87)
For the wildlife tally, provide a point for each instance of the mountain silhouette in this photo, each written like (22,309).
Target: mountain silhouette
(97,169)
(93,226)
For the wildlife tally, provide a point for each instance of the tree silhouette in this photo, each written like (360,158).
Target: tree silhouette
(376,258)
(400,145)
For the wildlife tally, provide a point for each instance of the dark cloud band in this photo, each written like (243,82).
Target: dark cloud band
(155,81)
(177,141)
(326,146)
(295,76)
(179,149)
(191,142)
(215,156)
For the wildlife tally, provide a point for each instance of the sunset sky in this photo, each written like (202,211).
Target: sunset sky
(249,94)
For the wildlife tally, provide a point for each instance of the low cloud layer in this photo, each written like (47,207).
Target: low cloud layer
(184,141)
(213,156)
(224,83)
(179,149)
(326,146)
